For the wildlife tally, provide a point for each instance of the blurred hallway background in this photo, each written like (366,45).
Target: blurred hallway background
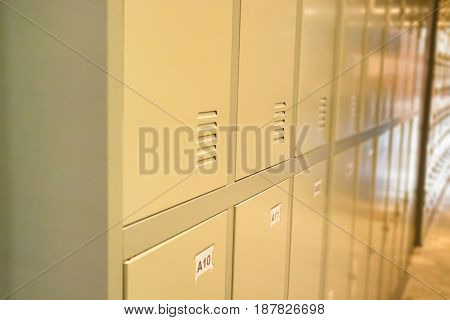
(430,263)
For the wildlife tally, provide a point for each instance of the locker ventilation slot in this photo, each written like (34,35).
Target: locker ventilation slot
(322,113)
(206,152)
(279,122)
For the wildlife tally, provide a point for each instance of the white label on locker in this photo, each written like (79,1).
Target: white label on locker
(275,215)
(203,262)
(349,170)
(317,188)
(370,153)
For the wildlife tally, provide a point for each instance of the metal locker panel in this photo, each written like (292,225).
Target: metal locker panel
(190,266)
(399,206)
(308,218)
(316,72)
(339,226)
(421,67)
(376,18)
(366,154)
(402,66)
(359,270)
(390,60)
(362,219)
(388,238)
(352,24)
(176,99)
(260,245)
(383,110)
(338,263)
(412,65)
(402,251)
(411,186)
(266,75)
(394,202)
(378,214)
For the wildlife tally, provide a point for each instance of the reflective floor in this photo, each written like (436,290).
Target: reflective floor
(430,263)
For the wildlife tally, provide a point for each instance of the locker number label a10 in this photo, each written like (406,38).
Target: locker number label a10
(275,215)
(204,262)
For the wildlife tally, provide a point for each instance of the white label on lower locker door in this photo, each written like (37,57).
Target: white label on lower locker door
(275,215)
(204,262)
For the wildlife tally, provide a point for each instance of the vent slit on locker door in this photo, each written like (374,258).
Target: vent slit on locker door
(206,115)
(207,134)
(280,105)
(279,122)
(321,123)
(207,128)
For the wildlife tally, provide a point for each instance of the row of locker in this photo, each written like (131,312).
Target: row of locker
(192,265)
(350,243)
(262,64)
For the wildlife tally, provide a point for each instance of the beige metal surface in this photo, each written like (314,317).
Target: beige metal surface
(338,258)
(398,218)
(308,219)
(373,54)
(54,160)
(378,214)
(391,215)
(316,72)
(115,157)
(412,64)
(260,245)
(411,188)
(362,220)
(351,33)
(421,62)
(402,65)
(266,77)
(390,60)
(179,80)
(173,270)
(404,208)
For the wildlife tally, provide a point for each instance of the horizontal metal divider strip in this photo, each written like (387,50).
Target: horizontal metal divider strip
(156,229)
(358,138)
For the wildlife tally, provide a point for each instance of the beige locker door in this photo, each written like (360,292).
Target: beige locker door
(400,207)
(390,60)
(413,154)
(349,66)
(412,63)
(376,16)
(402,67)
(361,223)
(318,17)
(339,227)
(420,67)
(189,266)
(391,211)
(260,245)
(177,71)
(402,255)
(378,215)
(266,75)
(307,233)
